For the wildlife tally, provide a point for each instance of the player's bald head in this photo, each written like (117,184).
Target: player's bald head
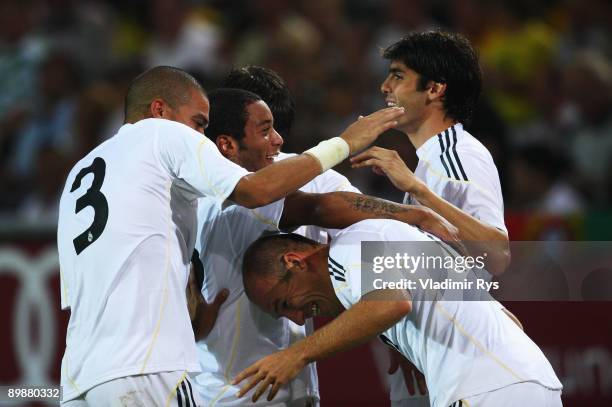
(263,260)
(173,85)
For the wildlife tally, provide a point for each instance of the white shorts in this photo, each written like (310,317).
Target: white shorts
(155,389)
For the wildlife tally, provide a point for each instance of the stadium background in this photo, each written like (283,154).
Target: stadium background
(545,115)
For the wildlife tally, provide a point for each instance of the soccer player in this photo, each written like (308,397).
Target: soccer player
(242,126)
(471,352)
(126,232)
(273,90)
(436,77)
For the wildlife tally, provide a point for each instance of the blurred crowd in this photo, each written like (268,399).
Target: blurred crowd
(545,114)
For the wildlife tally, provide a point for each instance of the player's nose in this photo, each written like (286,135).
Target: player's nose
(277,139)
(384,87)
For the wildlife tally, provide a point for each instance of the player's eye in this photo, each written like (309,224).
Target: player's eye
(397,75)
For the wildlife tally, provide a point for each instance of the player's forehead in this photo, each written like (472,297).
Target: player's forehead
(398,66)
(259,114)
(198,101)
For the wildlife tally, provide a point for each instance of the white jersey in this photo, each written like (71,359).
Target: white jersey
(463,348)
(459,169)
(243,333)
(125,236)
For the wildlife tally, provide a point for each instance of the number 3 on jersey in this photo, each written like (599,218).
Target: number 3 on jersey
(94,198)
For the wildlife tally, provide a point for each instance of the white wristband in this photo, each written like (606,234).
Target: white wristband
(330,152)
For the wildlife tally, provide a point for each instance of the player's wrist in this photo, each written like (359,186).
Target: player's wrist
(330,152)
(417,189)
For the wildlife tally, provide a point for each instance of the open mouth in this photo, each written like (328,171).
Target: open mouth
(272,156)
(391,103)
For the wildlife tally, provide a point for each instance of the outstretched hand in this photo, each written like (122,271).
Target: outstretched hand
(389,163)
(366,129)
(274,370)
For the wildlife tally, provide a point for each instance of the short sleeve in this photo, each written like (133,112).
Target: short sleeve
(191,157)
(482,197)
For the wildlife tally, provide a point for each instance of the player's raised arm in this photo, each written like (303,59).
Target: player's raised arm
(281,178)
(363,321)
(341,209)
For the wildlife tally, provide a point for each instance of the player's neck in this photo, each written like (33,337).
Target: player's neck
(428,129)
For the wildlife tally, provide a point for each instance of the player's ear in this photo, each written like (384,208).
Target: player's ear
(227,145)
(436,90)
(159,109)
(294,259)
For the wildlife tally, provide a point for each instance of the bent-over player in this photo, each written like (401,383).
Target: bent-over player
(471,352)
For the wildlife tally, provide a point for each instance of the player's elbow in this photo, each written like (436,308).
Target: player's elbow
(500,261)
(251,194)
(403,308)
(396,310)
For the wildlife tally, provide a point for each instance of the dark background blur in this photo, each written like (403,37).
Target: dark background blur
(545,115)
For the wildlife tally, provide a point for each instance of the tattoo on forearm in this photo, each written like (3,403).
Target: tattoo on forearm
(376,206)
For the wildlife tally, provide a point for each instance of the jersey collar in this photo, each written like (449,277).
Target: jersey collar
(432,142)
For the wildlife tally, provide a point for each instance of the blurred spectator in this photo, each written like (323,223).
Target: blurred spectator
(51,119)
(41,204)
(82,28)
(21,52)
(183,37)
(588,84)
(585,25)
(515,48)
(539,182)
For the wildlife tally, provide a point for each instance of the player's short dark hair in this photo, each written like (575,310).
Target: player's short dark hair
(264,256)
(271,88)
(171,84)
(445,58)
(228,112)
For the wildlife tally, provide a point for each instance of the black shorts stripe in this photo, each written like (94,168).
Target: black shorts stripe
(337,264)
(447,151)
(187,402)
(191,392)
(465,178)
(442,155)
(331,267)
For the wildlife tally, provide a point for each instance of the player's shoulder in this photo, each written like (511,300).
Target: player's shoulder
(469,146)
(459,155)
